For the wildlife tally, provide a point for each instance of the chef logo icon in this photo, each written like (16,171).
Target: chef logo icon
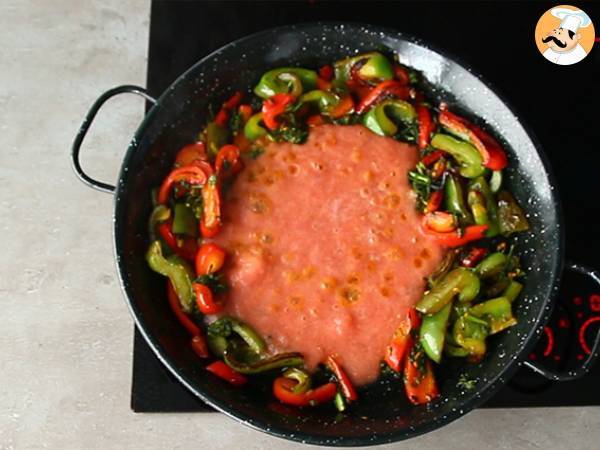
(564,35)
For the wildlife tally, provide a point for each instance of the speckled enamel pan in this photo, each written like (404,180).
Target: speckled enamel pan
(382,415)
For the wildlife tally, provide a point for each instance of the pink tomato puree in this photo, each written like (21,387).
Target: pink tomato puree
(325,252)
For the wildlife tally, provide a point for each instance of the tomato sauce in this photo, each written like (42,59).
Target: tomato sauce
(325,251)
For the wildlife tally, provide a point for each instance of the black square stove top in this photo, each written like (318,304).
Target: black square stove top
(559,103)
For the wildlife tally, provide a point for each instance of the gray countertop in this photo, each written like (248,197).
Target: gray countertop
(66,337)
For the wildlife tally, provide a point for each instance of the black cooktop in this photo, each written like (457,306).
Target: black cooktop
(559,103)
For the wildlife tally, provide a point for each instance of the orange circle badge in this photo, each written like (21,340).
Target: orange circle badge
(564,35)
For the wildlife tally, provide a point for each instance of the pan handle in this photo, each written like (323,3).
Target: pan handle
(594,352)
(85,126)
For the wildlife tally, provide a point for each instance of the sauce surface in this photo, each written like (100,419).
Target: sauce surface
(325,252)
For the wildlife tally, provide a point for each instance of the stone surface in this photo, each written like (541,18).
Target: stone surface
(66,335)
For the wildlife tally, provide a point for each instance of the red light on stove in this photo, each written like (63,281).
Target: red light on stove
(581,336)
(532,356)
(595,302)
(563,322)
(550,343)
(578,301)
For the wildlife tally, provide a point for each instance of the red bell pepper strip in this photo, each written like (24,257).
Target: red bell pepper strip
(456,238)
(183,318)
(385,88)
(228,160)
(209,259)
(401,74)
(222,370)
(440,222)
(419,380)
(191,174)
(210,224)
(223,115)
(475,255)
(343,379)
(205,300)
(323,84)
(185,247)
(282,390)
(497,157)
(432,157)
(426,125)
(326,72)
(434,202)
(245,111)
(345,106)
(199,346)
(190,154)
(397,351)
(273,107)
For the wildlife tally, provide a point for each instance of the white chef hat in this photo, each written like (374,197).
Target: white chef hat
(571,19)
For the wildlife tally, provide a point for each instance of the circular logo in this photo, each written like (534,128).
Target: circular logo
(564,35)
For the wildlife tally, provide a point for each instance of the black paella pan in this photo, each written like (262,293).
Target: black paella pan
(383,414)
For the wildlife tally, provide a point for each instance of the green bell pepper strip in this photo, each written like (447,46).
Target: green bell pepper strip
(477,204)
(467,156)
(512,291)
(253,129)
(216,137)
(286,80)
(377,67)
(303,379)
(451,347)
(324,100)
(496,181)
(493,265)
(488,203)
(225,326)
(184,221)
(159,214)
(496,312)
(469,333)
(378,118)
(176,270)
(511,217)
(278,361)
(455,202)
(340,402)
(460,281)
(433,332)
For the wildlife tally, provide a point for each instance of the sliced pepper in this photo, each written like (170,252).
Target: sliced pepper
(228,161)
(368,67)
(487,205)
(496,312)
(216,137)
(475,255)
(189,174)
(433,331)
(198,344)
(389,88)
(277,361)
(275,106)
(176,270)
(286,80)
(378,118)
(222,370)
(210,224)
(184,221)
(205,299)
(253,129)
(303,379)
(345,384)
(426,126)
(183,318)
(512,291)
(324,100)
(465,154)
(209,259)
(283,390)
(225,326)
(455,200)
(511,217)
(345,106)
(459,281)
(419,379)
(470,332)
(159,214)
(494,264)
(398,349)
(434,202)
(191,153)
(184,248)
(440,221)
(458,238)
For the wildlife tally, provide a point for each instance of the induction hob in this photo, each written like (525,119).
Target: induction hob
(557,102)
